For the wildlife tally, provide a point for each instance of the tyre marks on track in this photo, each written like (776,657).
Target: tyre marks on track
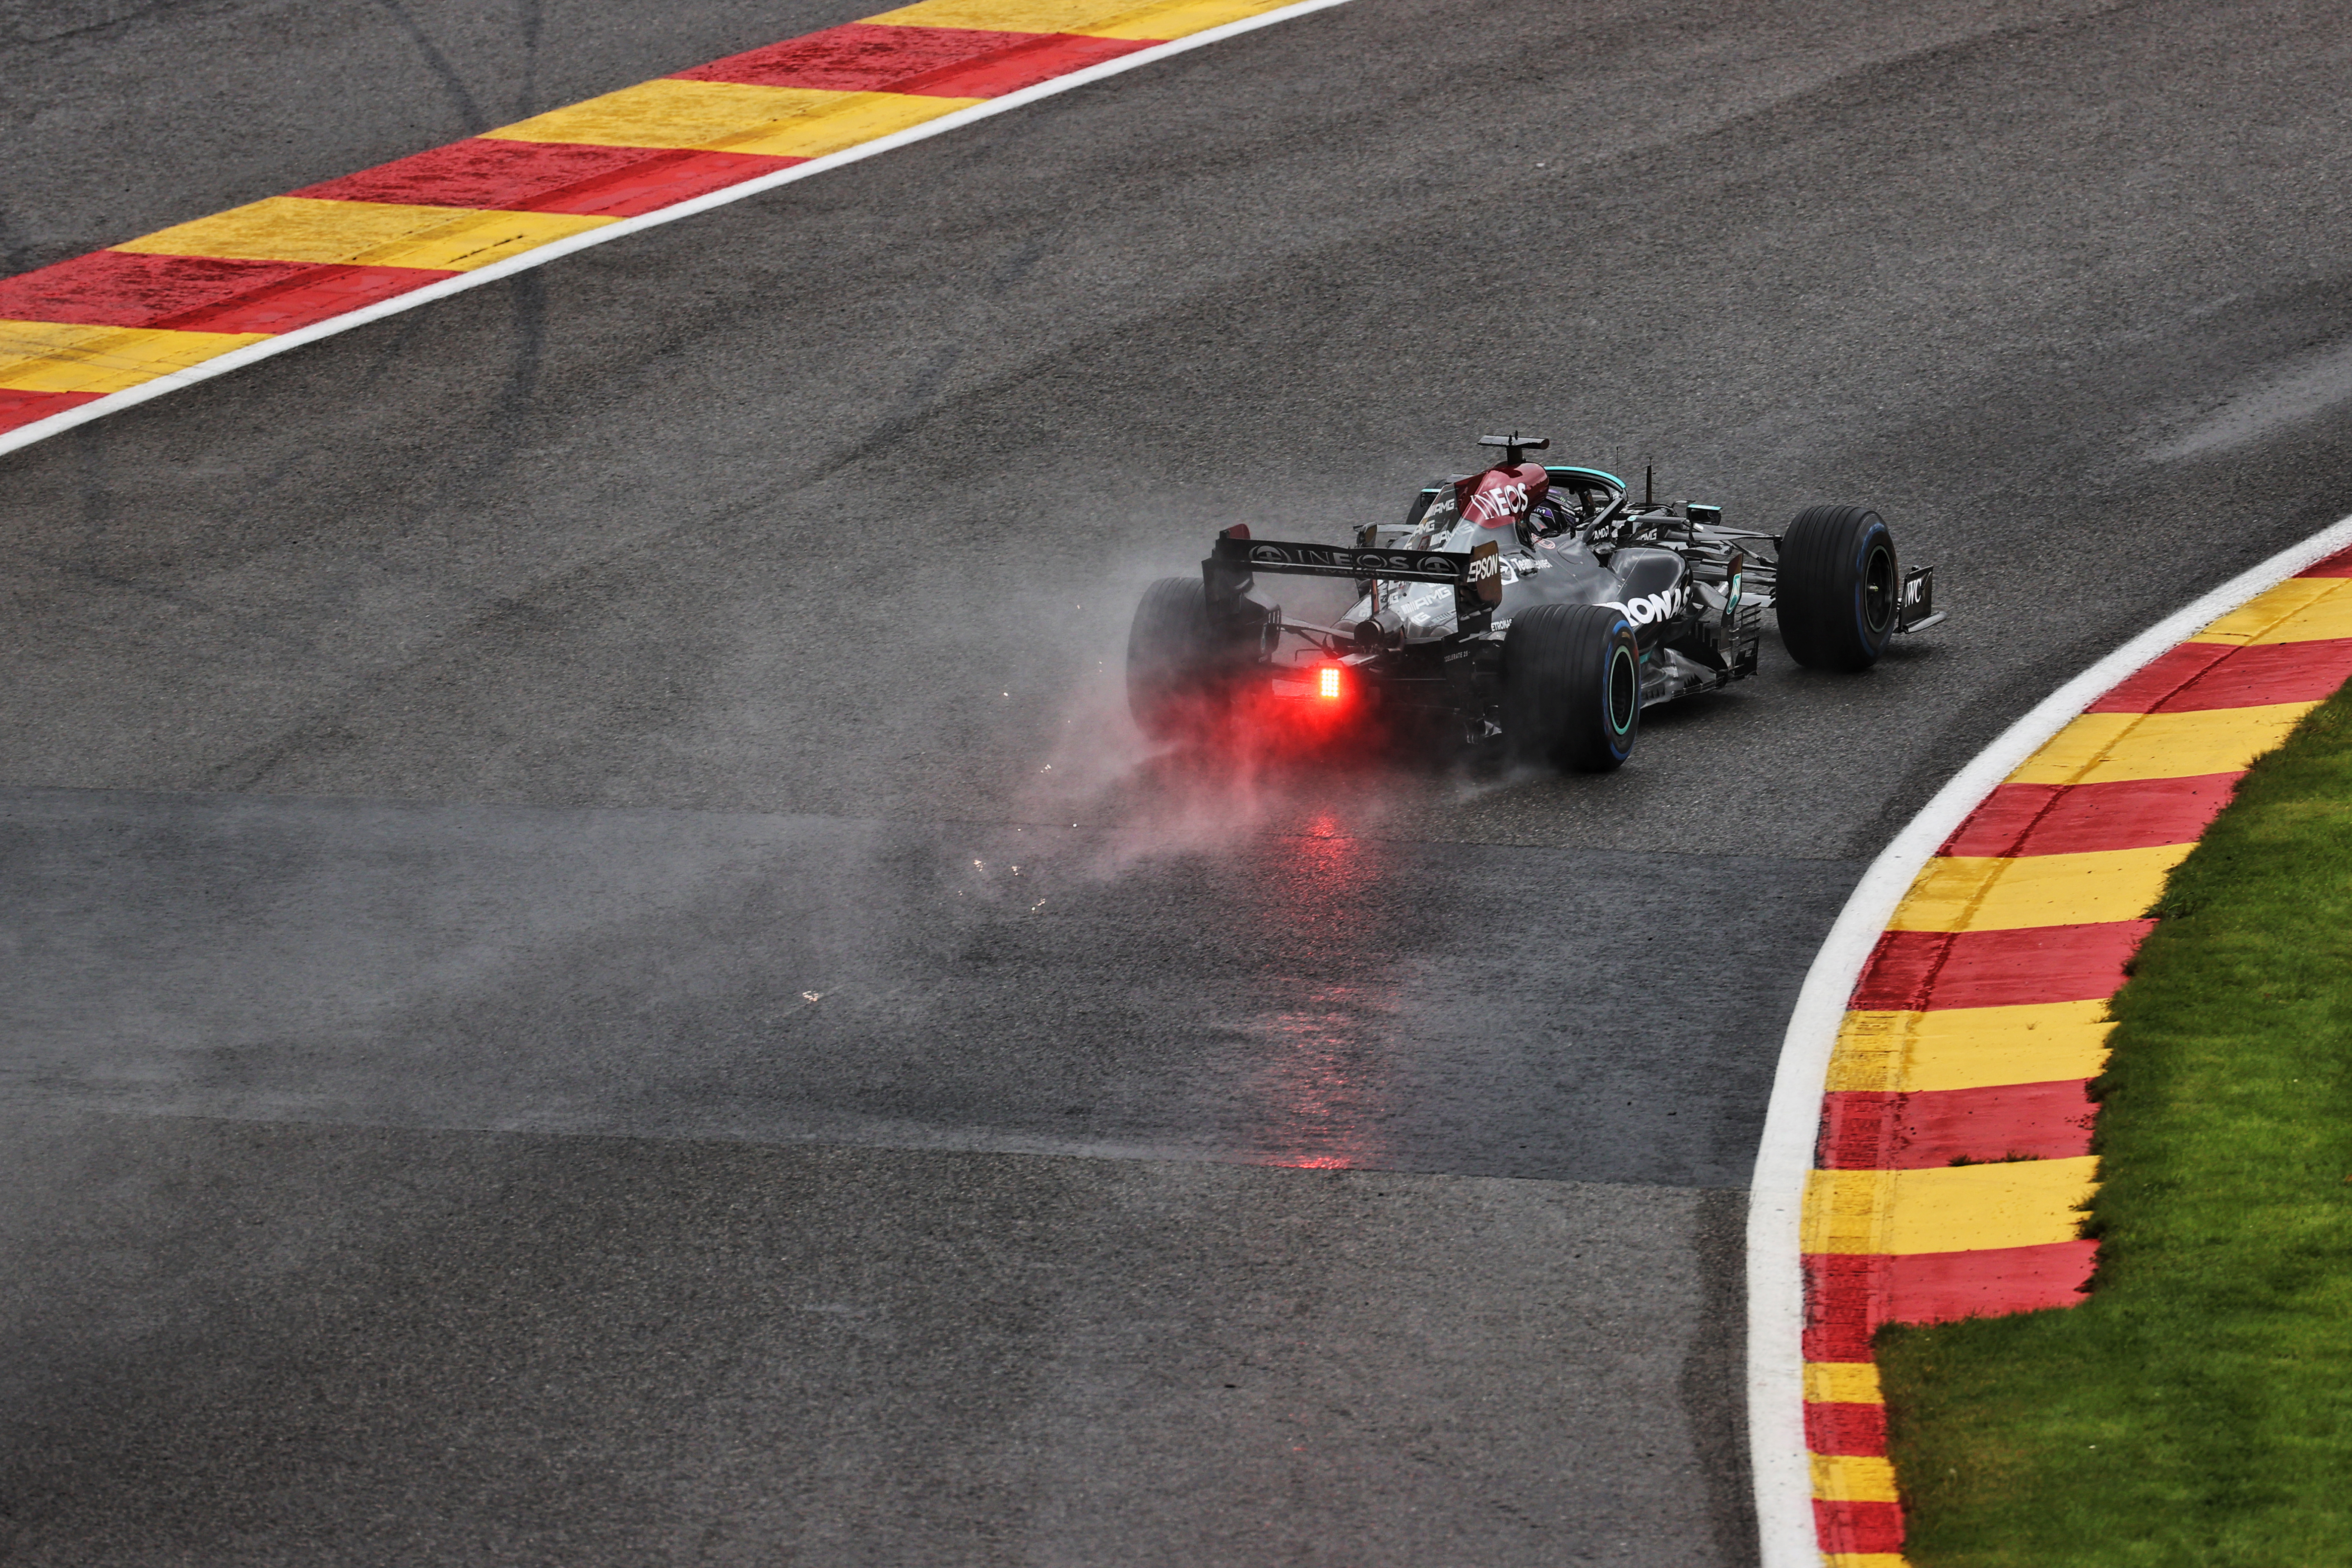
(99,332)
(1953,1154)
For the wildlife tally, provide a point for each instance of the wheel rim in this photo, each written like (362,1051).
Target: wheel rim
(1878,589)
(1625,689)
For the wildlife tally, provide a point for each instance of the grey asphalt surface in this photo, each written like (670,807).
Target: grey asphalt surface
(526,1041)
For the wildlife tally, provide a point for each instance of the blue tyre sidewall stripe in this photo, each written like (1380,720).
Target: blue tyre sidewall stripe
(1876,535)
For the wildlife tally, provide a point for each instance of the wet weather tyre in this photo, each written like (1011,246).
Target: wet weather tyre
(1572,687)
(1171,668)
(1839,587)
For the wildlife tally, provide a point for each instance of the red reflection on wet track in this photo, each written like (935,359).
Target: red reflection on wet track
(1325,1088)
(1319,710)
(1324,1091)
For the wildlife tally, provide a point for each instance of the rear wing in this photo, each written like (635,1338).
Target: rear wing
(1227,575)
(1240,557)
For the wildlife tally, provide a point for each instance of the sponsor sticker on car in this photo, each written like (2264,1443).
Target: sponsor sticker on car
(1650,607)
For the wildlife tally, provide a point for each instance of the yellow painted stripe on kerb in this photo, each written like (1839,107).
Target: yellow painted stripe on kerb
(1987,893)
(1092,18)
(1946,1208)
(2106,748)
(1853,1477)
(734,117)
(363,234)
(51,356)
(1842,1382)
(2301,609)
(1864,1560)
(1968,1048)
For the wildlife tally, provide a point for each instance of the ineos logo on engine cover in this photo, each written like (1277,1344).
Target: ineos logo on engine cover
(1498,502)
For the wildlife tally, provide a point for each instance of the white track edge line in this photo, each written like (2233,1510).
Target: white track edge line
(1776,1290)
(539,256)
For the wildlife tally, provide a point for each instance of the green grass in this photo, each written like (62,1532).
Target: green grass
(2197,1408)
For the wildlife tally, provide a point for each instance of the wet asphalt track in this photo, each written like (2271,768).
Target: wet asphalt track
(442,764)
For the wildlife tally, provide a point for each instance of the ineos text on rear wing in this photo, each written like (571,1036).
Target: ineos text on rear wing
(1243,556)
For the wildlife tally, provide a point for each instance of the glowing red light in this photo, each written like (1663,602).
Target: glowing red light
(1330,681)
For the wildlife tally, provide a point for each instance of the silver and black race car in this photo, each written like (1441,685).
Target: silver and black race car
(1532,608)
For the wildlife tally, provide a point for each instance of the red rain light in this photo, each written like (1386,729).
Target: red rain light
(1327,681)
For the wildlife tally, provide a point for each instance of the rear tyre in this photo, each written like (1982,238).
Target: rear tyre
(1572,687)
(1171,668)
(1839,588)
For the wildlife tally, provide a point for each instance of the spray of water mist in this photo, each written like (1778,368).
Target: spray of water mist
(1226,773)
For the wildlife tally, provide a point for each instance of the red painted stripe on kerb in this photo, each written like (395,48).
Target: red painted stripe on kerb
(2197,678)
(1846,1429)
(1915,970)
(1873,1132)
(943,62)
(23,408)
(198,293)
(2161,677)
(1860,1528)
(2073,819)
(2337,565)
(548,177)
(1849,1295)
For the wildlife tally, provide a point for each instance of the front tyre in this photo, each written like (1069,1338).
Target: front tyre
(1840,589)
(1572,687)
(1172,668)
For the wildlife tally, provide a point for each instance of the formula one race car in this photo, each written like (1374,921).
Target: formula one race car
(1539,609)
